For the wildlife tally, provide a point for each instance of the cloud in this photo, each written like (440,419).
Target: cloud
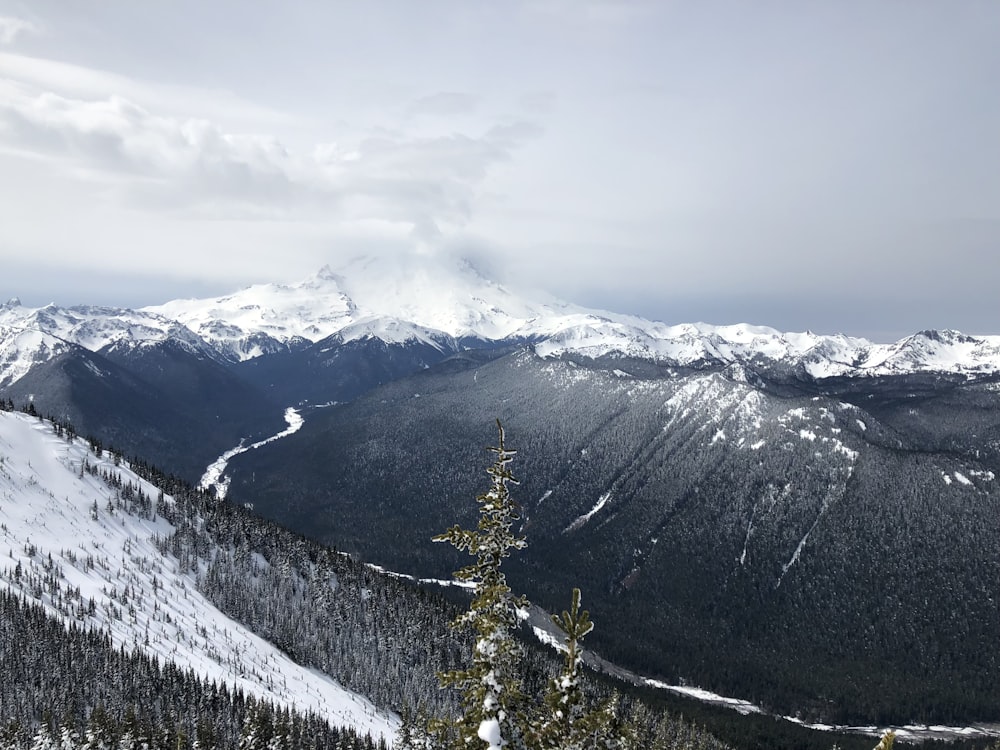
(89,84)
(195,165)
(11,27)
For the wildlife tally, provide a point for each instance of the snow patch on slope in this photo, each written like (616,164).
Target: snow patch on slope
(581,520)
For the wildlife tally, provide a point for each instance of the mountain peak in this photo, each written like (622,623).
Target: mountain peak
(325,274)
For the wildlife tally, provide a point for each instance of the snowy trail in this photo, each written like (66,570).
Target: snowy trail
(213,476)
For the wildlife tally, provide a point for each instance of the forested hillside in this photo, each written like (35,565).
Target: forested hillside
(67,687)
(766,539)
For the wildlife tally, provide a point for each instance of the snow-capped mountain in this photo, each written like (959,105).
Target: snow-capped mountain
(31,336)
(56,515)
(23,348)
(424,299)
(439,299)
(450,305)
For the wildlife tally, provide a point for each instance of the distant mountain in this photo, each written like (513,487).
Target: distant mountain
(31,336)
(451,307)
(425,300)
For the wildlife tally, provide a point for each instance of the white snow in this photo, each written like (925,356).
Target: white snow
(47,508)
(489,732)
(746,540)
(961,478)
(740,706)
(581,520)
(445,582)
(548,639)
(795,555)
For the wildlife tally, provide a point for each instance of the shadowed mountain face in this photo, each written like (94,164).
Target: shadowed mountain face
(825,549)
(166,404)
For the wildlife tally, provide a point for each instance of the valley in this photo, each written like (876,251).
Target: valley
(804,522)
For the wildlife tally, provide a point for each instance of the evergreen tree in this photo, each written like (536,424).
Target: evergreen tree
(569,725)
(491,693)
(495,709)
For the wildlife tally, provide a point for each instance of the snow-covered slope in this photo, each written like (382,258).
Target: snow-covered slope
(56,521)
(23,348)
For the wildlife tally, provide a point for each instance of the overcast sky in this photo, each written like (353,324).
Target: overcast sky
(832,166)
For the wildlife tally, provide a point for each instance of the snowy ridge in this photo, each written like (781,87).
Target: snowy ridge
(22,349)
(256,320)
(30,336)
(700,344)
(395,331)
(51,508)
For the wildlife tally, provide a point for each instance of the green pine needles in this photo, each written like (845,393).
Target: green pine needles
(496,714)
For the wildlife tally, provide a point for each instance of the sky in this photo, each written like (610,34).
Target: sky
(831,165)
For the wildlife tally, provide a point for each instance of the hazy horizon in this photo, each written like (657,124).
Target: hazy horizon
(831,166)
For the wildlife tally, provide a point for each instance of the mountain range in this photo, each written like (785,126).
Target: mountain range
(452,307)
(805,521)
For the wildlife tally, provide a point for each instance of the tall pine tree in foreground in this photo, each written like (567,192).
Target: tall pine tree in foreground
(496,714)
